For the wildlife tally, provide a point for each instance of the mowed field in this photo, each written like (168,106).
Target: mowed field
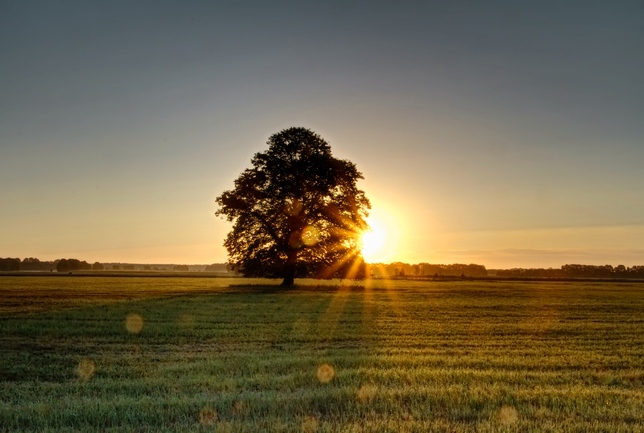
(238,355)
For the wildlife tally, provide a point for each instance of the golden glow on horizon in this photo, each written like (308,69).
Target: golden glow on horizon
(373,241)
(379,243)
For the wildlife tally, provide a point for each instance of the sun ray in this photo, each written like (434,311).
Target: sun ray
(354,270)
(328,272)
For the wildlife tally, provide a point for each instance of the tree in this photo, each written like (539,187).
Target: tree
(64,265)
(30,264)
(9,264)
(296,213)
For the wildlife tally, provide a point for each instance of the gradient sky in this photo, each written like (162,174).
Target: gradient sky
(502,133)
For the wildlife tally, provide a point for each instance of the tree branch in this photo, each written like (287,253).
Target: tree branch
(268,228)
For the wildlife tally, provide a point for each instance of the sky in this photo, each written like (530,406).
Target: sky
(502,133)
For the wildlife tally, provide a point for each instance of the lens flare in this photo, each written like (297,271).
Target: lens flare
(310,236)
(133,323)
(224,427)
(207,416)
(508,415)
(325,373)
(367,393)
(85,369)
(238,408)
(309,424)
(293,206)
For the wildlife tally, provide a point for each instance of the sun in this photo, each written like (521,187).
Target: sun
(374,242)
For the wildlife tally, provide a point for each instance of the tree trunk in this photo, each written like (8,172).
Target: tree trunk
(289,269)
(289,280)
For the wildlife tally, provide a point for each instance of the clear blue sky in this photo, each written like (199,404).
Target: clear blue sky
(502,133)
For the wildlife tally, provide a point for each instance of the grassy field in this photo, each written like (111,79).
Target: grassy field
(235,355)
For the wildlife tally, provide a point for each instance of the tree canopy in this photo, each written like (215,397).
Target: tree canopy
(297,212)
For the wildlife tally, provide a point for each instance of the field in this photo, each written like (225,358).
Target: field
(236,355)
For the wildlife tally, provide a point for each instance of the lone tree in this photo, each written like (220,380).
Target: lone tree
(297,212)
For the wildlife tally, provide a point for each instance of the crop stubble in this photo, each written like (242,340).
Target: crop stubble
(186,354)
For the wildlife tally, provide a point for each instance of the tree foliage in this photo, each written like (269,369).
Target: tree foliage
(9,264)
(297,212)
(64,265)
(34,264)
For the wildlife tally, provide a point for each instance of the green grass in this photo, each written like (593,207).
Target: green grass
(242,355)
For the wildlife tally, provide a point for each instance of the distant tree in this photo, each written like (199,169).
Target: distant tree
(416,270)
(33,264)
(473,270)
(97,266)
(181,268)
(216,267)
(64,265)
(297,212)
(9,264)
(116,267)
(636,271)
(47,266)
(30,264)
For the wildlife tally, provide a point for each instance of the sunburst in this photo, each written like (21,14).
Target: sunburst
(375,242)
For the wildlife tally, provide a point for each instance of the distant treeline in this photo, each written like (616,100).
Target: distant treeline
(68,265)
(33,264)
(575,271)
(28,264)
(399,269)
(426,270)
(377,270)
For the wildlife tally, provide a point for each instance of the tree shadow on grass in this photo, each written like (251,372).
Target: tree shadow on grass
(276,289)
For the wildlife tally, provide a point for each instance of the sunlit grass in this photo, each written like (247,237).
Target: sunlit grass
(223,355)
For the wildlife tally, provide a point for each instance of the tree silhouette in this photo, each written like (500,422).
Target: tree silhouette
(297,212)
